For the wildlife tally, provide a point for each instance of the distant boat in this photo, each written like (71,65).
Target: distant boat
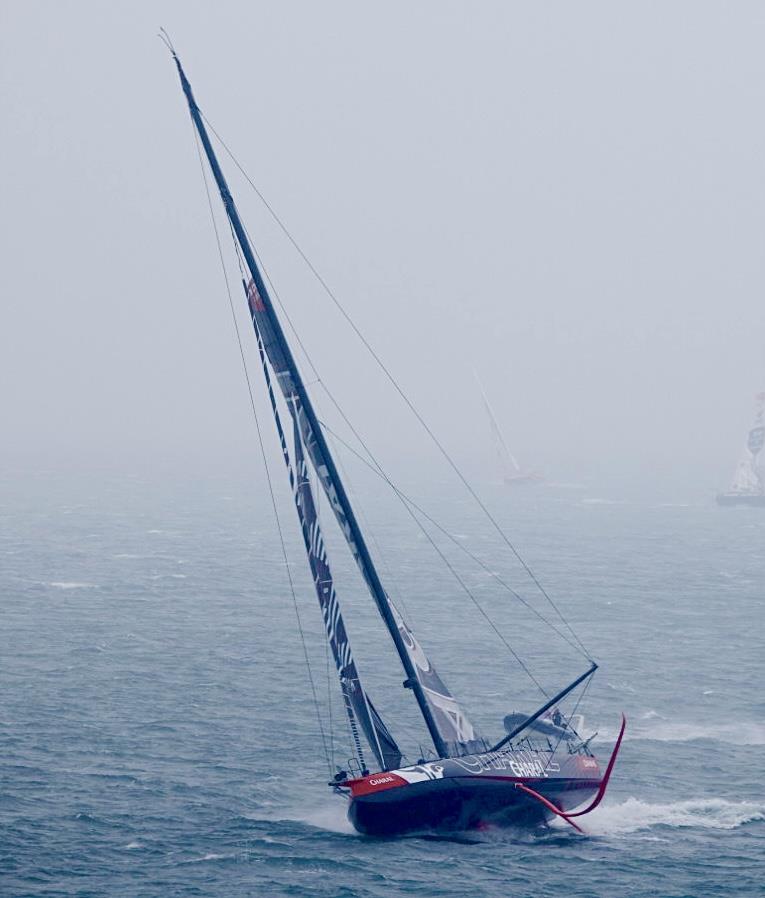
(512,473)
(540,768)
(748,487)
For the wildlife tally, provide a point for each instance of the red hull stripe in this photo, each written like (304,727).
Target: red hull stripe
(375,783)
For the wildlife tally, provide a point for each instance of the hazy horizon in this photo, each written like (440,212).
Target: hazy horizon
(566,199)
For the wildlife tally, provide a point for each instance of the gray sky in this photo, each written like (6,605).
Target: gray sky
(567,197)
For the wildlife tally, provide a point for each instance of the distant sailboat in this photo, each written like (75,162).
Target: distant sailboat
(512,473)
(748,487)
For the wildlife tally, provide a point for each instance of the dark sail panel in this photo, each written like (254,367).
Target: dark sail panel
(266,323)
(357,704)
(381,742)
(456,731)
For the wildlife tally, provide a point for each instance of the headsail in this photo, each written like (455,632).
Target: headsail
(457,731)
(748,479)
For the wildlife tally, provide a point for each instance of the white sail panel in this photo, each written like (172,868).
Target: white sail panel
(747,479)
(456,729)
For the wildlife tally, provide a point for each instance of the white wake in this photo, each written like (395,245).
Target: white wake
(634,814)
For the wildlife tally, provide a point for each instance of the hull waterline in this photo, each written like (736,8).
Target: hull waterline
(459,794)
(461,804)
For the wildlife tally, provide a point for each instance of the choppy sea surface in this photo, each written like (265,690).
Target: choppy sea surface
(159,735)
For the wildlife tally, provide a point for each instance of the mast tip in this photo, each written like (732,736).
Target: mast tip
(165,38)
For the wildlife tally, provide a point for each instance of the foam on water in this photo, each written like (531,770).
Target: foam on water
(627,816)
(71,584)
(330,817)
(598,501)
(634,814)
(160,739)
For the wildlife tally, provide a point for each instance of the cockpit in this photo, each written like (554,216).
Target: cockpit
(547,733)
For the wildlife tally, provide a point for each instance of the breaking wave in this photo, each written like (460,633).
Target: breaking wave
(708,813)
(332,817)
(211,856)
(629,816)
(72,584)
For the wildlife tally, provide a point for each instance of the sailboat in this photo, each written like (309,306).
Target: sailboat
(748,487)
(539,769)
(512,473)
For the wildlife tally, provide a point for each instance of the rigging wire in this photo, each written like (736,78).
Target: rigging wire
(404,500)
(487,513)
(379,470)
(295,479)
(570,717)
(319,382)
(404,497)
(382,560)
(264,455)
(385,477)
(464,585)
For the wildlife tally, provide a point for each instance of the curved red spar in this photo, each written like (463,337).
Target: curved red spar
(598,798)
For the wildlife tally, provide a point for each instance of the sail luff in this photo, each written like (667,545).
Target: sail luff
(362,554)
(385,750)
(357,704)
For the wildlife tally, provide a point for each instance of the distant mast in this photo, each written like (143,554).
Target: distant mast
(748,487)
(512,472)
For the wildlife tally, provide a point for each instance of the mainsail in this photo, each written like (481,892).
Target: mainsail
(358,705)
(449,728)
(456,731)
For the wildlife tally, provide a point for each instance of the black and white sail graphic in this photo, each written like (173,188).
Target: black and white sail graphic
(456,731)
(377,735)
(449,729)
(358,705)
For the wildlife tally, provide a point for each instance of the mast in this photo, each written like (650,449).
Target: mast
(363,556)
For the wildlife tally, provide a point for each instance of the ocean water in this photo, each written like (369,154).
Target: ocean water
(159,735)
